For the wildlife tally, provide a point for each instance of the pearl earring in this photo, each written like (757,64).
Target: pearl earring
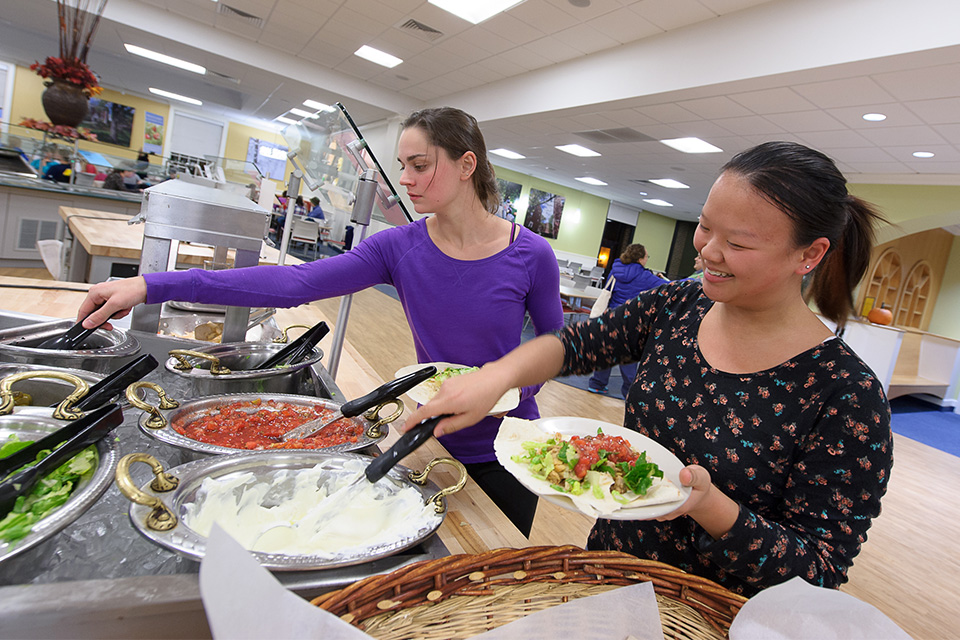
(808,266)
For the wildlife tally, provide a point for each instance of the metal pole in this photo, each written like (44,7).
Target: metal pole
(293,190)
(362,212)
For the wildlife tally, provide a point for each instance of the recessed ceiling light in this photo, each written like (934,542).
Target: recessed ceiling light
(658,202)
(577,150)
(165,59)
(175,96)
(691,145)
(593,181)
(473,11)
(302,113)
(670,183)
(318,106)
(923,154)
(506,153)
(380,57)
(285,120)
(874,117)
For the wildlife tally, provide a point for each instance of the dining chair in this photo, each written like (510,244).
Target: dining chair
(306,231)
(596,276)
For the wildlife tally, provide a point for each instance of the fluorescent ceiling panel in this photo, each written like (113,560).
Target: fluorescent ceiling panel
(175,96)
(165,59)
(382,58)
(506,153)
(577,150)
(473,11)
(691,145)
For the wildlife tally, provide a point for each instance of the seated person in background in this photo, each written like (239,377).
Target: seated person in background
(316,212)
(299,209)
(59,170)
(123,179)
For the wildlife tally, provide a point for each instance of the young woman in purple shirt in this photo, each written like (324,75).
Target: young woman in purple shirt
(465,277)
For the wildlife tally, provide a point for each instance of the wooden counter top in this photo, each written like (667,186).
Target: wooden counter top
(106,234)
(473,524)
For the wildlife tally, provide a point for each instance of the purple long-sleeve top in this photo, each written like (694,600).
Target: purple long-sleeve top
(465,311)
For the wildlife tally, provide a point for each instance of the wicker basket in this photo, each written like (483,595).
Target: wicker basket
(464,595)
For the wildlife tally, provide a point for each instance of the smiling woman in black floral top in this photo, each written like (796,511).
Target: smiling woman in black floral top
(785,431)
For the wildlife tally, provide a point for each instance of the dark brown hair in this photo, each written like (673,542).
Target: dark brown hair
(807,186)
(633,254)
(457,132)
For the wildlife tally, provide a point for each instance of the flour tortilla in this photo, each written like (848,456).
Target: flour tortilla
(662,498)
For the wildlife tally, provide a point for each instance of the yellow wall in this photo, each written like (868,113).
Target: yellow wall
(914,209)
(655,233)
(28,87)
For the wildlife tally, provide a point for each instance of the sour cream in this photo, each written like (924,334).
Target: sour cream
(311,511)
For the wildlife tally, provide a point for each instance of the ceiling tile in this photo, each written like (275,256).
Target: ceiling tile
(778,100)
(585,39)
(715,107)
(897,116)
(877,167)
(942,111)
(723,7)
(903,136)
(823,140)
(672,14)
(624,25)
(540,16)
(950,132)
(847,92)
(755,125)
(940,81)
(668,113)
(551,49)
(803,121)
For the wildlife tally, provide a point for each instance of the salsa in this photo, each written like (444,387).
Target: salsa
(259,424)
(589,448)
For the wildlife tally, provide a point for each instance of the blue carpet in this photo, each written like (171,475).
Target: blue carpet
(927,423)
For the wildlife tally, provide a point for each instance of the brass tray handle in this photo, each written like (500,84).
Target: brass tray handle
(160,518)
(373,415)
(156,419)
(183,364)
(22,399)
(421,479)
(283,338)
(64,411)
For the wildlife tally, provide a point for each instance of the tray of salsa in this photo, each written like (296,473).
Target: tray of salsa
(232,423)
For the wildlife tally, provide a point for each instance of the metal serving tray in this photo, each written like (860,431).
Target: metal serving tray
(33,427)
(265,467)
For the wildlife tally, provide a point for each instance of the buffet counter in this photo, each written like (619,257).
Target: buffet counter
(28,212)
(100,578)
(101,244)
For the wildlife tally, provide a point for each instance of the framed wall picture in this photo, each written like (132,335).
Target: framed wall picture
(509,194)
(110,121)
(544,211)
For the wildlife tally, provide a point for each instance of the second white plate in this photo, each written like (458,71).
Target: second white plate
(423,392)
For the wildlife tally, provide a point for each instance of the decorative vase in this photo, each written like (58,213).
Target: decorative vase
(65,103)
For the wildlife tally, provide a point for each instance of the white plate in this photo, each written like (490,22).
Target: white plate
(423,392)
(514,430)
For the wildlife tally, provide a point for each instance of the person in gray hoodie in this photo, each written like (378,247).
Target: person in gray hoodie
(632,278)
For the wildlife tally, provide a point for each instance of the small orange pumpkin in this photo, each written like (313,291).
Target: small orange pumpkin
(880,315)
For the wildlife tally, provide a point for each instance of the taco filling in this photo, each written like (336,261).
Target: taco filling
(601,466)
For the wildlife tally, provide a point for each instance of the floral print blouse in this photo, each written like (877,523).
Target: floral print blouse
(805,448)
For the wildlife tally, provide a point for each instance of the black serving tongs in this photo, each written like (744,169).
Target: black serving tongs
(296,350)
(116,382)
(72,338)
(63,443)
(382,394)
(408,442)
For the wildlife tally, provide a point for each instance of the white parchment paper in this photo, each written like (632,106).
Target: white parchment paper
(797,610)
